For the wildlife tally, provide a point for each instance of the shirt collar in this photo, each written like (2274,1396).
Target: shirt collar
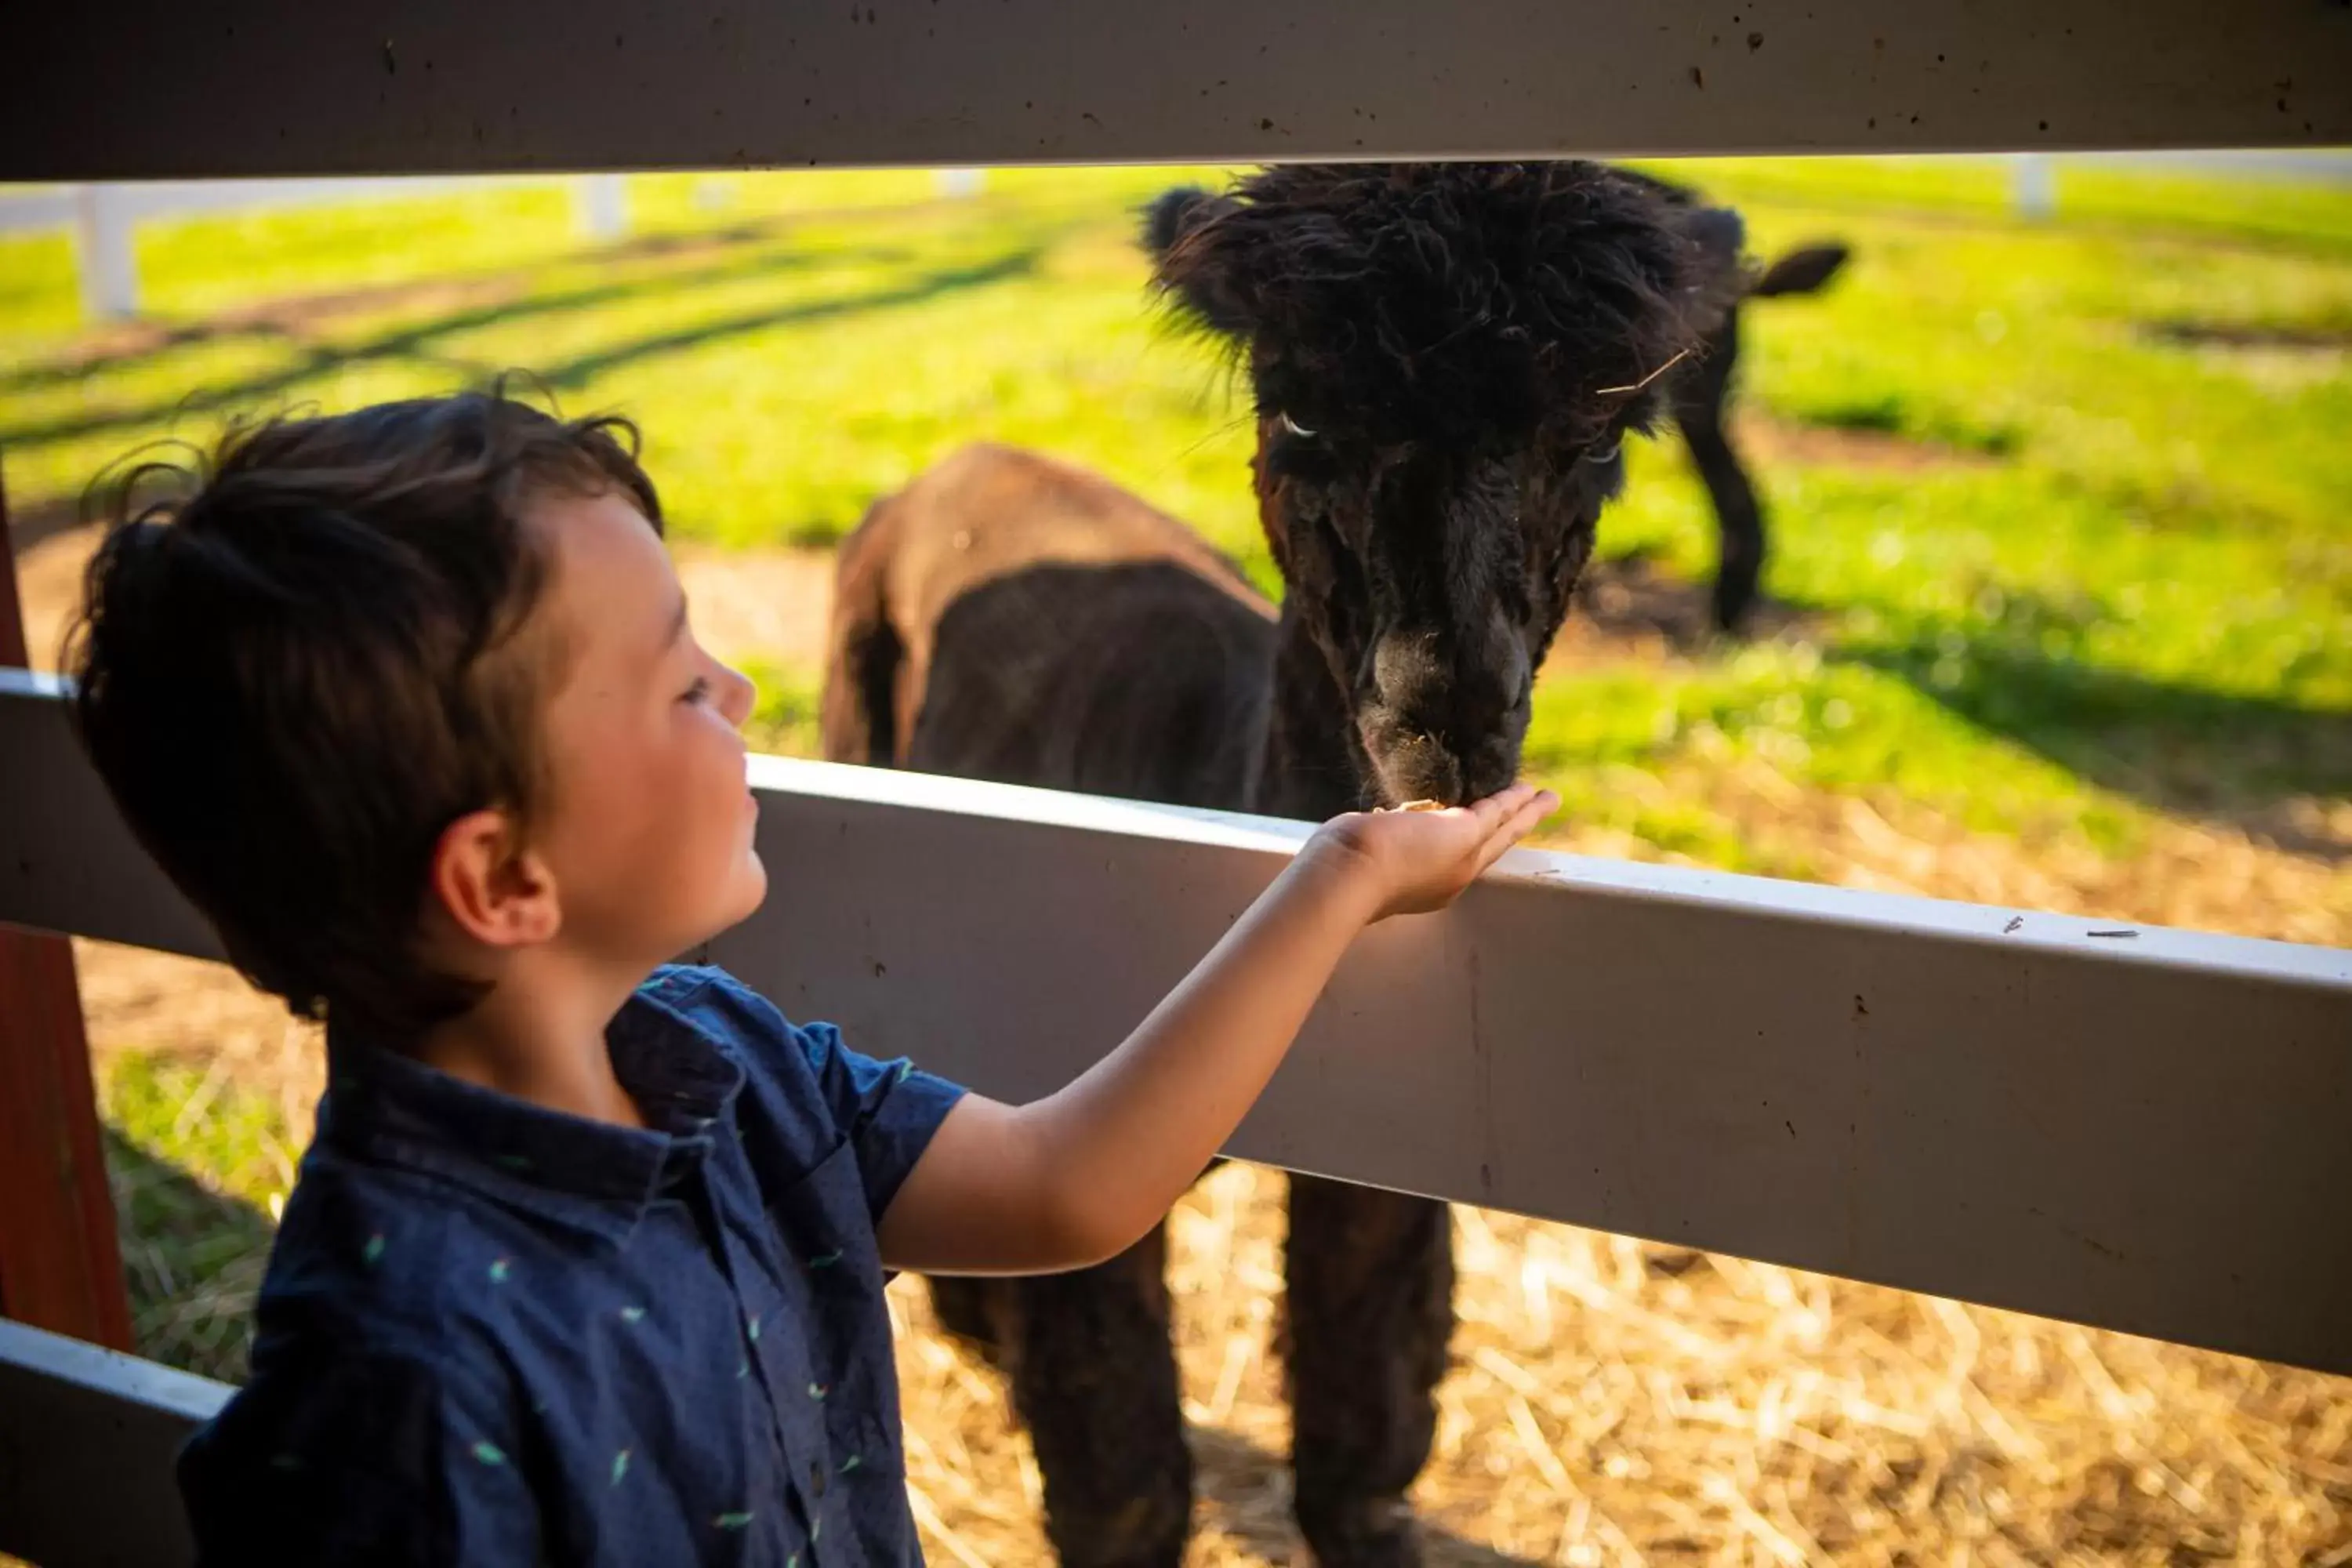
(391,1109)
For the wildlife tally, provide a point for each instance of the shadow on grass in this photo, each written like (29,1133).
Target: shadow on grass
(415,341)
(193,1258)
(2181,748)
(573,373)
(742,251)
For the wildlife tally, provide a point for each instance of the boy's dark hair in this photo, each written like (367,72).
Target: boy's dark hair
(294,678)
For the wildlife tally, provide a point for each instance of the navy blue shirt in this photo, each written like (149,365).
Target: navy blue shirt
(493,1334)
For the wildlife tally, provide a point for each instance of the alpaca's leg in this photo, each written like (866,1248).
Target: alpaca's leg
(1740,569)
(974,1311)
(1093,1378)
(1738,516)
(1701,403)
(1370,1312)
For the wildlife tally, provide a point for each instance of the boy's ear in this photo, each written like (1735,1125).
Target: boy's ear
(488,886)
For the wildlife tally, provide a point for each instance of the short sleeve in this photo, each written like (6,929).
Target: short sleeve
(888,1109)
(363,1459)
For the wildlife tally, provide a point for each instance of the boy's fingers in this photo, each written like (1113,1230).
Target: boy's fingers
(1498,807)
(1521,823)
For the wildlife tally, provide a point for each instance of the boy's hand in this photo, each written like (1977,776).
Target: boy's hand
(1419,858)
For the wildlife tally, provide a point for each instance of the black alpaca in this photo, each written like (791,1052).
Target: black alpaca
(1444,359)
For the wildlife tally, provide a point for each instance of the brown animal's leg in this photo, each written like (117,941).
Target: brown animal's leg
(1370,1312)
(1700,399)
(1093,1378)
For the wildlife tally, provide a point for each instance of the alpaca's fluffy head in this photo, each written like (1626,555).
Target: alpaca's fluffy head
(1444,358)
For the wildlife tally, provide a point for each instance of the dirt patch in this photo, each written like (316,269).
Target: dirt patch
(48,586)
(748,604)
(1628,606)
(44,520)
(1772,441)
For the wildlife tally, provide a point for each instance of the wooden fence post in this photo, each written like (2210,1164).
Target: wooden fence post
(60,1260)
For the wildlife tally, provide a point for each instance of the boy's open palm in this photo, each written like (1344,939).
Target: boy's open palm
(1422,858)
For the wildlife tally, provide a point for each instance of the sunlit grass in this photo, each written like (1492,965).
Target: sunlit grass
(2113,577)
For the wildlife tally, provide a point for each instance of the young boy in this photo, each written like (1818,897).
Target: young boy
(586,1262)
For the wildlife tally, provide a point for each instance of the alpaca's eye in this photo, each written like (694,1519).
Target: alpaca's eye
(1606,454)
(1295,427)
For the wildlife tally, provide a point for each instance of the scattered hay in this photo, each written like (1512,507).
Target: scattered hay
(2196,876)
(1612,1402)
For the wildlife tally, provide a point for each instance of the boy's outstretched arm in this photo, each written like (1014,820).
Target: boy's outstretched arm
(1081,1174)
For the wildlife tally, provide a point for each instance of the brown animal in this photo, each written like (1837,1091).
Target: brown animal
(1444,359)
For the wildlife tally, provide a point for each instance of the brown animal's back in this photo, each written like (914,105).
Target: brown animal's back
(1009,617)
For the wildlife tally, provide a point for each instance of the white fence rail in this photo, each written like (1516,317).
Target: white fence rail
(2138,1128)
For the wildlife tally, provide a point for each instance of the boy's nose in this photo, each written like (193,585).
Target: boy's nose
(736,695)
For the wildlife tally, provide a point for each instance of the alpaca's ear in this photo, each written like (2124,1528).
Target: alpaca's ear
(1182,234)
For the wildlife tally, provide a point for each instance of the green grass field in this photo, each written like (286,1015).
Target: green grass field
(2105,592)
(2113,578)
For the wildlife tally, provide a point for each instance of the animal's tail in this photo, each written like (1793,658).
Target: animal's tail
(1802,271)
(858,715)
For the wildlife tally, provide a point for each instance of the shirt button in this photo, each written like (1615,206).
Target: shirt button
(818,1479)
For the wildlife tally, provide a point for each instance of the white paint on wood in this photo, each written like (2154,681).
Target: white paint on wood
(506,85)
(2143,1130)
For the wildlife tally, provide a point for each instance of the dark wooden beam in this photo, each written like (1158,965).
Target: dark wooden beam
(292,87)
(60,1260)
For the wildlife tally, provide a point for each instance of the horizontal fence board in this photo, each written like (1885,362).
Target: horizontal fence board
(2143,1131)
(435,86)
(87,1442)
